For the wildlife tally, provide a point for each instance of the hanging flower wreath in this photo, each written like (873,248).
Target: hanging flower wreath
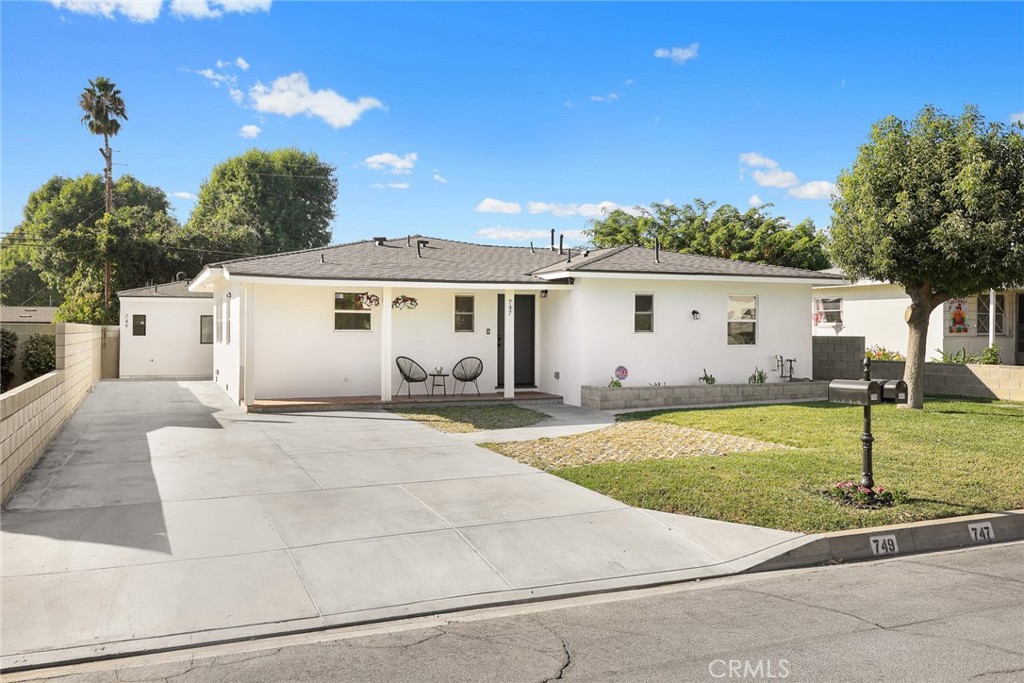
(367,300)
(403,302)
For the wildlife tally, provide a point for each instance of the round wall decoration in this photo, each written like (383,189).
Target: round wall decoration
(621,373)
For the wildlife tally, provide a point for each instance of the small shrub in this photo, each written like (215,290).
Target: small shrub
(990,356)
(958,358)
(759,377)
(853,494)
(614,384)
(657,384)
(8,349)
(879,352)
(39,355)
(706,378)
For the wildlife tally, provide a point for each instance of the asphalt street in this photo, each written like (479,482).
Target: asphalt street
(950,616)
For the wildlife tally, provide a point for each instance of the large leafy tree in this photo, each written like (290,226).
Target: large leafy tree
(68,236)
(267,202)
(20,283)
(104,110)
(725,232)
(935,205)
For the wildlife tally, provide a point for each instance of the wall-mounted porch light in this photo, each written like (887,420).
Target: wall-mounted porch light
(543,294)
(695,313)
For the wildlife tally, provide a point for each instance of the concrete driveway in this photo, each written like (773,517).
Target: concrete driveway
(162,516)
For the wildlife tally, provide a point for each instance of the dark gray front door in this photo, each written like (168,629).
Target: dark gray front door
(525,350)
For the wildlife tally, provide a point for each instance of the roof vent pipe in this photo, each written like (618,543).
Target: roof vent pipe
(657,250)
(408,241)
(531,247)
(380,241)
(569,260)
(321,258)
(552,239)
(419,245)
(561,239)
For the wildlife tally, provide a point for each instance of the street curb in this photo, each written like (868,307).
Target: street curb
(901,539)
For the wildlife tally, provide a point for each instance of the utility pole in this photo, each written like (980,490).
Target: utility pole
(108,157)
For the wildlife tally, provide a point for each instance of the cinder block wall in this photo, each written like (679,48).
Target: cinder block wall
(634,398)
(837,357)
(1004,382)
(30,415)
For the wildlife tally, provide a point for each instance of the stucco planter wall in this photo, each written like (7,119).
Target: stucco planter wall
(628,398)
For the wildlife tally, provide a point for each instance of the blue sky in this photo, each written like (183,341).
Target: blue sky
(495,122)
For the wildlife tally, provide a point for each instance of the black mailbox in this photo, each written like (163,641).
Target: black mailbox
(856,392)
(894,390)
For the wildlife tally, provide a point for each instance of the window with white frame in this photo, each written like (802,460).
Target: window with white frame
(465,313)
(351,312)
(828,310)
(741,320)
(987,317)
(643,313)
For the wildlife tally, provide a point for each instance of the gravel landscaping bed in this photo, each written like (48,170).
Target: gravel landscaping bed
(628,442)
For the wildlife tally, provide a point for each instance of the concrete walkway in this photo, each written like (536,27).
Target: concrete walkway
(163,516)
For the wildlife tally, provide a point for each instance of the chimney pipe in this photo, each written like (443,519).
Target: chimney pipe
(561,239)
(657,250)
(552,239)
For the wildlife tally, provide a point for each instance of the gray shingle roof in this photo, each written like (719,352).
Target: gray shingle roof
(450,261)
(632,259)
(27,314)
(442,261)
(169,290)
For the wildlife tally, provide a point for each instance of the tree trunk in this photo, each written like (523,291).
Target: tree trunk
(922,303)
(108,156)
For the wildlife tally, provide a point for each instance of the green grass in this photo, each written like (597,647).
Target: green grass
(955,457)
(472,418)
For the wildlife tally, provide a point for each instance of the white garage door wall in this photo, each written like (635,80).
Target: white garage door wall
(170,347)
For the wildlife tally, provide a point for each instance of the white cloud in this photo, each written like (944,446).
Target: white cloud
(183,195)
(678,55)
(755,160)
(134,10)
(775,177)
(392,163)
(242,64)
(490,205)
(392,186)
(520,235)
(816,189)
(291,95)
(249,131)
(440,178)
(1017,117)
(586,210)
(212,9)
(215,77)
(237,96)
(628,81)
(755,200)
(610,97)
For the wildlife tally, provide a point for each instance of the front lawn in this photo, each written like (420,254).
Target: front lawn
(472,418)
(955,457)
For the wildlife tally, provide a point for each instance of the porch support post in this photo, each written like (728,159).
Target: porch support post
(992,317)
(385,344)
(510,343)
(247,315)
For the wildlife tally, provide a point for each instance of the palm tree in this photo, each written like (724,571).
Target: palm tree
(103,108)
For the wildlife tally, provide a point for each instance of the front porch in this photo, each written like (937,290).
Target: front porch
(306,405)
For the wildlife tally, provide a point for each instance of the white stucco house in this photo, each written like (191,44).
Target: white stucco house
(876,311)
(166,332)
(321,322)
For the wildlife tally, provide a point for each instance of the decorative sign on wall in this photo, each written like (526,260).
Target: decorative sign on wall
(621,373)
(957,309)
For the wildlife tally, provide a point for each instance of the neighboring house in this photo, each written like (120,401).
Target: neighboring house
(166,331)
(876,311)
(295,325)
(26,321)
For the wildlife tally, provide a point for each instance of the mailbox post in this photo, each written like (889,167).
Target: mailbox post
(860,392)
(867,478)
